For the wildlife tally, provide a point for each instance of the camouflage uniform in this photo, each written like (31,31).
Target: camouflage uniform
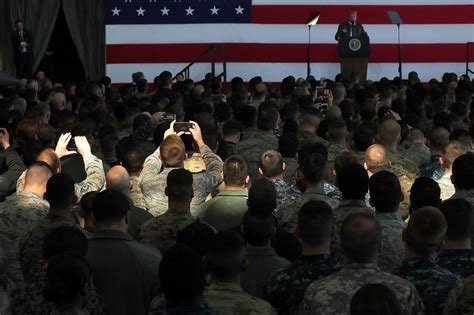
(418,153)
(226,210)
(333,294)
(29,299)
(285,289)
(406,171)
(393,248)
(432,169)
(31,243)
(458,261)
(305,137)
(94,181)
(17,215)
(252,149)
(446,186)
(461,298)
(229,298)
(161,232)
(290,171)
(287,213)
(282,189)
(345,208)
(136,193)
(332,191)
(467,195)
(431,281)
(248,133)
(153,181)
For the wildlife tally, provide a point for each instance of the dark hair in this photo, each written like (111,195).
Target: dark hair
(459,217)
(110,206)
(353,181)
(375,299)
(60,191)
(463,172)
(425,231)
(314,168)
(133,160)
(87,201)
(262,196)
(179,183)
(223,112)
(315,222)
(462,136)
(271,163)
(288,145)
(361,237)
(309,149)
(198,236)
(258,227)
(231,128)
(337,129)
(64,239)
(235,171)
(226,254)
(182,274)
(363,137)
(385,191)
(68,273)
(267,117)
(424,192)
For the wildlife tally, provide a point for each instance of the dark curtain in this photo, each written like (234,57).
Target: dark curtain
(39,17)
(85,19)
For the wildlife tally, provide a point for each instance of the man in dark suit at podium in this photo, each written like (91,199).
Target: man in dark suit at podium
(350,28)
(22,42)
(350,35)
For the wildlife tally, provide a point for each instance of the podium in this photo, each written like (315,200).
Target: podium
(354,55)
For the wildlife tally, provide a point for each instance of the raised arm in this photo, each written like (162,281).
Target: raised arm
(213,162)
(94,168)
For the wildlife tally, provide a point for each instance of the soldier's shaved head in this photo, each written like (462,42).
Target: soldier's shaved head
(376,159)
(226,254)
(416,136)
(425,231)
(361,237)
(37,175)
(389,132)
(50,157)
(438,139)
(117,178)
(172,151)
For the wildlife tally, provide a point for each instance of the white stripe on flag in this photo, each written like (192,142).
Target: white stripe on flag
(278,33)
(275,72)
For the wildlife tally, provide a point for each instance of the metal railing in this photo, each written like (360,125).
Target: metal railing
(468,44)
(212,51)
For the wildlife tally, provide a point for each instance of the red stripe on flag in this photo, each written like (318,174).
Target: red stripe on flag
(367,14)
(184,53)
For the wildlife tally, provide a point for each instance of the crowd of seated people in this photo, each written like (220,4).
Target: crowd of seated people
(242,198)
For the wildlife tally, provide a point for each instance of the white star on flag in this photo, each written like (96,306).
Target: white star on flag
(165,11)
(215,11)
(189,11)
(140,12)
(239,10)
(116,11)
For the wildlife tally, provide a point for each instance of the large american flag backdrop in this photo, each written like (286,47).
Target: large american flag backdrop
(269,37)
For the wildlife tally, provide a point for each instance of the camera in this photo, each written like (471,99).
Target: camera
(182,126)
